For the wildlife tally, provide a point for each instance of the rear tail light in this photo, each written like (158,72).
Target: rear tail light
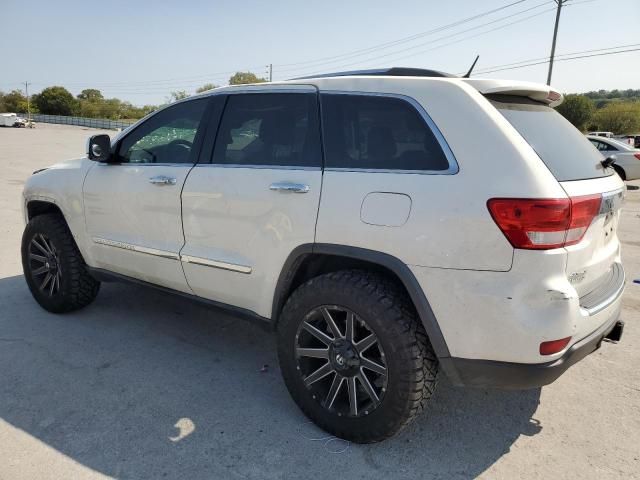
(554,346)
(637,155)
(543,224)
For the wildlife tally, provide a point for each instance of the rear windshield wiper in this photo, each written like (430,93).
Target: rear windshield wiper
(609,161)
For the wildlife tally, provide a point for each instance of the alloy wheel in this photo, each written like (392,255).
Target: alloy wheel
(341,361)
(44,263)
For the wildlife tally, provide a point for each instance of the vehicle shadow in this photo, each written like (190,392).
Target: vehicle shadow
(146,385)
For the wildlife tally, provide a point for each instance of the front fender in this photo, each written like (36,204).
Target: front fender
(61,185)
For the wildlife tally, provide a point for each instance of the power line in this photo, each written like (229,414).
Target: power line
(401,40)
(546,59)
(448,36)
(563,60)
(499,27)
(388,54)
(344,56)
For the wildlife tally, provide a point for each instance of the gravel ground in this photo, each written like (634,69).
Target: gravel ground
(144,385)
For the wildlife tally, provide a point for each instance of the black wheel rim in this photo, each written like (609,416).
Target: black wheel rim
(341,361)
(44,263)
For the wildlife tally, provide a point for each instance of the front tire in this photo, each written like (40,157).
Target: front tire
(53,266)
(354,355)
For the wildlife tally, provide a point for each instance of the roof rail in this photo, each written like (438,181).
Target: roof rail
(392,72)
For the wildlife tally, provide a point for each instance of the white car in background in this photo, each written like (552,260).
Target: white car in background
(627,158)
(601,134)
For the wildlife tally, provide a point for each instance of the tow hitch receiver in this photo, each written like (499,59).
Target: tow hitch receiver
(616,332)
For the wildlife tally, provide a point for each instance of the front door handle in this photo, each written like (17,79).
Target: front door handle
(289,187)
(162,180)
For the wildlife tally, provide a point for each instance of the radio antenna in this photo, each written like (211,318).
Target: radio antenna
(468,74)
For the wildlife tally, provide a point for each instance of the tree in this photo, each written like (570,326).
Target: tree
(205,87)
(618,117)
(177,95)
(91,95)
(578,109)
(240,78)
(14,102)
(55,101)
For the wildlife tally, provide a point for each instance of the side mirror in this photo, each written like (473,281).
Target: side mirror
(99,148)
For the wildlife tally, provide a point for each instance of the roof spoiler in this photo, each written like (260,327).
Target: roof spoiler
(535,91)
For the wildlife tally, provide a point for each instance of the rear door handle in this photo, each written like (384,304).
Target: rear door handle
(289,187)
(162,180)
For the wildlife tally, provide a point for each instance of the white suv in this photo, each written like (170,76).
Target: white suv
(387,224)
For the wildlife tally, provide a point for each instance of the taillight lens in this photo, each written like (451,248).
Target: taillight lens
(543,224)
(637,155)
(583,211)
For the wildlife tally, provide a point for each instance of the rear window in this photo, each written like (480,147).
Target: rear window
(561,146)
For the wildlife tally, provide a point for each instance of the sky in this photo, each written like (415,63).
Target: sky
(141,50)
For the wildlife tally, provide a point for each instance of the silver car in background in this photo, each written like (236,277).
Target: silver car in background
(627,157)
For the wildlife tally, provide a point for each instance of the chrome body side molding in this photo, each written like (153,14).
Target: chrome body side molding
(174,256)
(215,264)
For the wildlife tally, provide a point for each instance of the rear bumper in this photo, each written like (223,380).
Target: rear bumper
(507,375)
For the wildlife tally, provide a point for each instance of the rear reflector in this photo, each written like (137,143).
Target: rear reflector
(543,224)
(554,346)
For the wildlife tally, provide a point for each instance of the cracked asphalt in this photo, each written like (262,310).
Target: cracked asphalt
(145,385)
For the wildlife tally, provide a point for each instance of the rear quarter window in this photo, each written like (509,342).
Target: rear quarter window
(564,150)
(378,132)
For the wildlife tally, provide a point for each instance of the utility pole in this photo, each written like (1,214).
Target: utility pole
(555,34)
(26,90)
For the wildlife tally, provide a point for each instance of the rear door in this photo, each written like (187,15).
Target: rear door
(254,196)
(576,164)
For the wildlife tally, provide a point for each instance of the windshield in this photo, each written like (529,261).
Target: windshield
(563,149)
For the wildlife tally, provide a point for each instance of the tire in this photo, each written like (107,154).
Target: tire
(620,171)
(380,308)
(69,286)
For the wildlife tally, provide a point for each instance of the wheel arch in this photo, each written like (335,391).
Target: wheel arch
(35,207)
(310,260)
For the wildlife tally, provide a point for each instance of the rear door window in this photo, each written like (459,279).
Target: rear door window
(269,129)
(564,150)
(378,132)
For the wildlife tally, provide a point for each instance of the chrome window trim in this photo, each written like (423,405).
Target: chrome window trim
(136,248)
(266,88)
(216,264)
(147,164)
(258,167)
(448,153)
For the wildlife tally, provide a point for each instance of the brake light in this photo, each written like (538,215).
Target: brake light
(543,224)
(554,346)
(553,96)
(583,211)
(637,155)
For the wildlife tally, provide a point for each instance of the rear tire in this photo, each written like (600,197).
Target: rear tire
(53,266)
(381,312)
